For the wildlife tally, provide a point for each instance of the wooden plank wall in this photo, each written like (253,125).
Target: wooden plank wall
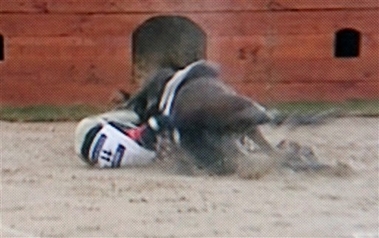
(80,51)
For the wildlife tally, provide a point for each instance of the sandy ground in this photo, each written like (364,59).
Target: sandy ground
(47,192)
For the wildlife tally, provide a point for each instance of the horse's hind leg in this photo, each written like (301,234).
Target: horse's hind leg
(303,157)
(255,163)
(288,156)
(256,136)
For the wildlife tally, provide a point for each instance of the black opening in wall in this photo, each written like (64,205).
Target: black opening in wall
(347,43)
(1,47)
(166,41)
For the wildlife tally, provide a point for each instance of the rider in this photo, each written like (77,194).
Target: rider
(115,139)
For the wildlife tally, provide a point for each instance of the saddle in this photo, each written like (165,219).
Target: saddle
(195,70)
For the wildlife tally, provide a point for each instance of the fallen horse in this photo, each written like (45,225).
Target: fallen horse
(213,125)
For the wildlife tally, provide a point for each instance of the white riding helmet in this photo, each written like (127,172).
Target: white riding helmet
(103,144)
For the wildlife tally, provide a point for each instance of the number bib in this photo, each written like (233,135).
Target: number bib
(111,148)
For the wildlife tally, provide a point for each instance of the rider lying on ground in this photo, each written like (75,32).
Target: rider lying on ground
(115,139)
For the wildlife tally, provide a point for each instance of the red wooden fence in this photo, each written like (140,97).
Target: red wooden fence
(80,51)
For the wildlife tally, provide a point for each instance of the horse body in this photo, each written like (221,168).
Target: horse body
(211,119)
(209,115)
(207,103)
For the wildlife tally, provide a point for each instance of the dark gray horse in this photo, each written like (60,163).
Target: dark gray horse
(211,119)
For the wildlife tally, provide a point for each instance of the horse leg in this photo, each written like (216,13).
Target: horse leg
(299,159)
(256,163)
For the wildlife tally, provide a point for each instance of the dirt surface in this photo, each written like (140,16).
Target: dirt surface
(48,192)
